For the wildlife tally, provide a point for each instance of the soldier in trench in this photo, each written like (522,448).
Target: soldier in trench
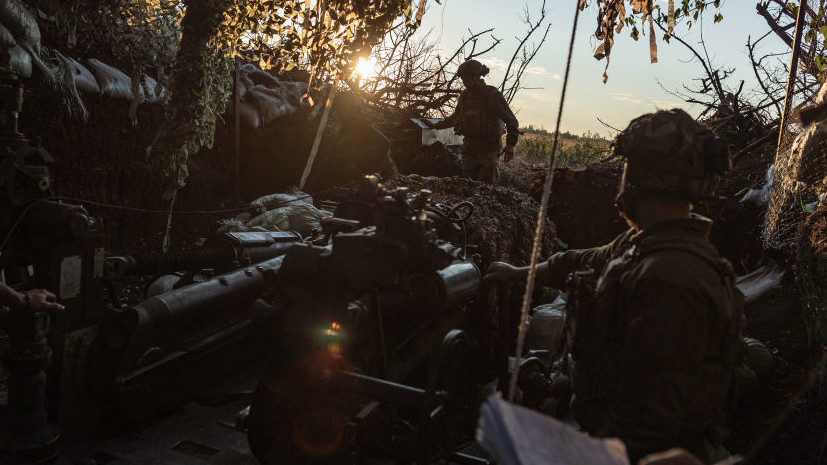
(656,324)
(481,110)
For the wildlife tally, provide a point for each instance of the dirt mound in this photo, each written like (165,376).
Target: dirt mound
(582,200)
(430,160)
(503,222)
(738,226)
(502,227)
(522,176)
(582,204)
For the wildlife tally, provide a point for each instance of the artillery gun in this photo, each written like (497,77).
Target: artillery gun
(374,357)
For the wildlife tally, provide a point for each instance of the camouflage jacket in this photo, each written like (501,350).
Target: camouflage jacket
(479,116)
(655,349)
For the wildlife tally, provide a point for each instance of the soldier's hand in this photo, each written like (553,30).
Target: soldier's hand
(675,456)
(40,300)
(501,272)
(507,153)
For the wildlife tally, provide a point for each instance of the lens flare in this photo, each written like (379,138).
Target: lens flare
(365,68)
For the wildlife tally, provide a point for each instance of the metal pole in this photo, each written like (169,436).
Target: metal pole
(541,218)
(318,141)
(799,29)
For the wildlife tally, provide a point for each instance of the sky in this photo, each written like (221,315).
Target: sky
(633,85)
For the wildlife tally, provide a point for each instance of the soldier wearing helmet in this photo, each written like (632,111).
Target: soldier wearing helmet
(479,116)
(655,317)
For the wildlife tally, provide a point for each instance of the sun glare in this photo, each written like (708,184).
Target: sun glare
(366,68)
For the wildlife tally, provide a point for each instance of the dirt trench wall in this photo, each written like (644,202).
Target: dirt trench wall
(273,158)
(811,276)
(582,205)
(582,208)
(503,222)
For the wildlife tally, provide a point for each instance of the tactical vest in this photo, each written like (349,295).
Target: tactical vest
(594,320)
(478,117)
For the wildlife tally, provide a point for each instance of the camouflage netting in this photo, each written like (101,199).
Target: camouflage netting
(811,276)
(790,197)
(796,224)
(799,177)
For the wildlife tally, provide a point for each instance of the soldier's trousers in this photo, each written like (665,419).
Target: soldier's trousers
(481,166)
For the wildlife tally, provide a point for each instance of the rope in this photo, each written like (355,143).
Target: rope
(28,208)
(541,218)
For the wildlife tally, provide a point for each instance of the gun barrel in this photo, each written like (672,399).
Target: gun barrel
(237,248)
(193,311)
(457,283)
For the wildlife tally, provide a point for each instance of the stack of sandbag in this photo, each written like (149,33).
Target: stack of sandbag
(99,78)
(279,212)
(264,98)
(19,38)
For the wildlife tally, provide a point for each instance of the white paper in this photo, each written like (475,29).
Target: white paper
(70,276)
(515,435)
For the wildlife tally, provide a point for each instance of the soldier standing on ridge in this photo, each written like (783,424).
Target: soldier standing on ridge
(480,113)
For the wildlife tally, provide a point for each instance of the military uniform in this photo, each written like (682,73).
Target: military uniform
(656,344)
(479,116)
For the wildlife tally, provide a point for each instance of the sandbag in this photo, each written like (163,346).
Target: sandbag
(282,200)
(759,359)
(20,61)
(271,103)
(760,281)
(545,329)
(20,28)
(259,77)
(22,25)
(152,91)
(249,115)
(6,38)
(113,82)
(243,85)
(302,218)
(760,196)
(84,79)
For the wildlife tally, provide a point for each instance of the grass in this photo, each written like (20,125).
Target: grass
(535,147)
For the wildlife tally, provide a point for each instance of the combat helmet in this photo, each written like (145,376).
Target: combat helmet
(668,153)
(472,69)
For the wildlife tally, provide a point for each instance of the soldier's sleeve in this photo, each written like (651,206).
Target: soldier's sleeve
(512,126)
(561,264)
(668,328)
(452,120)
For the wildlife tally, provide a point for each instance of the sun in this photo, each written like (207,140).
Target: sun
(365,68)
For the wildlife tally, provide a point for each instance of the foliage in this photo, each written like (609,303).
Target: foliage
(199,92)
(326,36)
(815,36)
(612,16)
(414,75)
(535,147)
(323,35)
(131,34)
